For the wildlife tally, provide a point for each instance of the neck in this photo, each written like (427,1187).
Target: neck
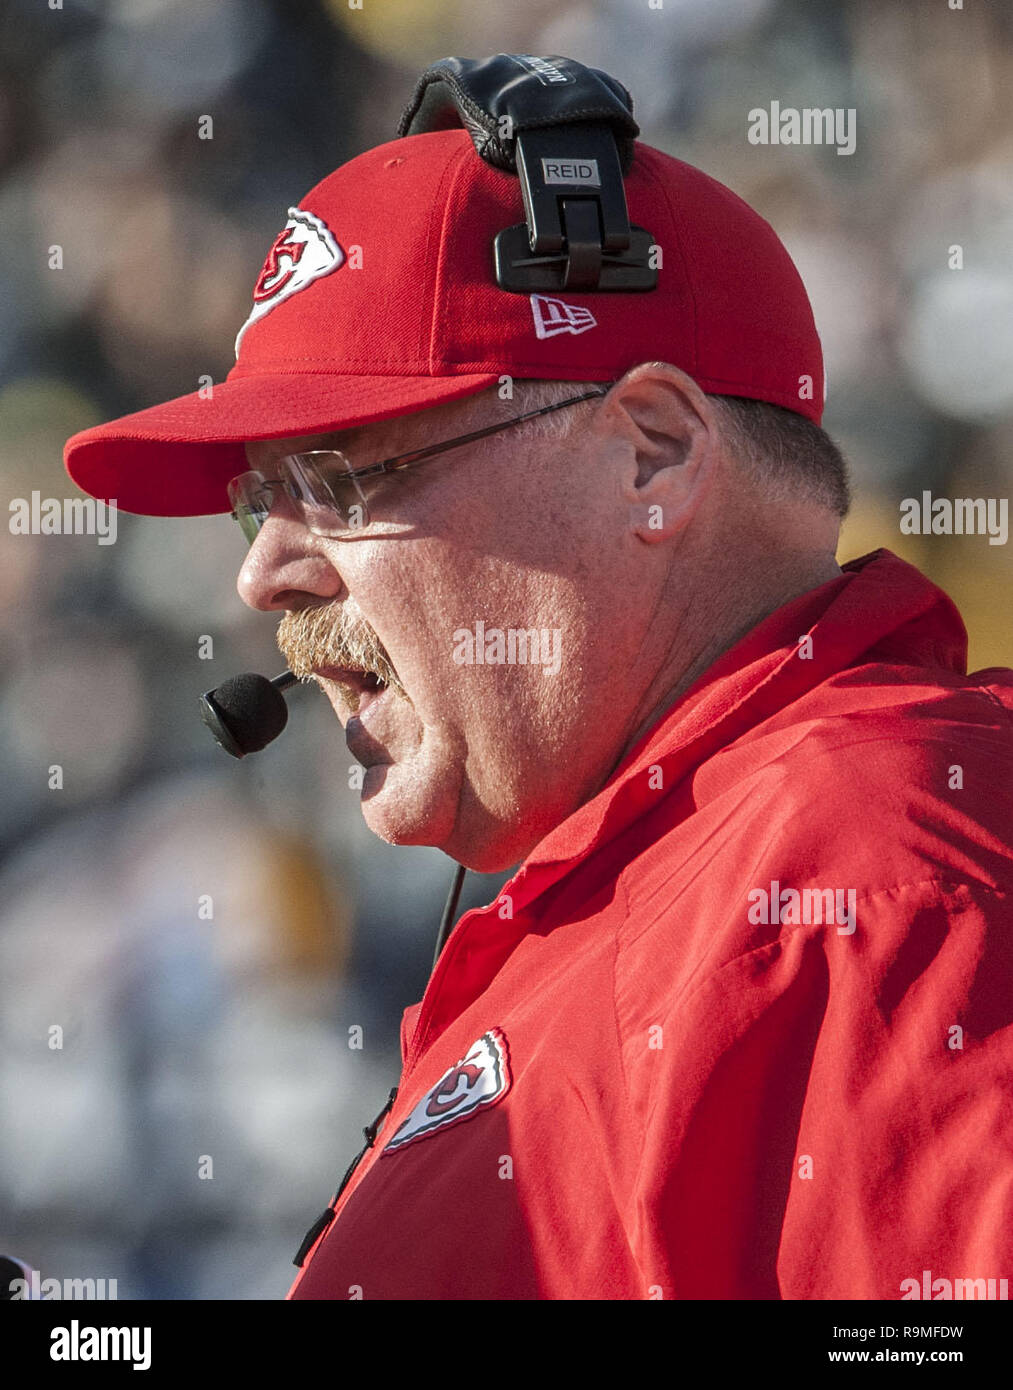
(693,658)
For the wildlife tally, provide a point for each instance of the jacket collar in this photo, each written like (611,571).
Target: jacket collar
(879,609)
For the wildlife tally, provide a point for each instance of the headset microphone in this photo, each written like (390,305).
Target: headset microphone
(246,712)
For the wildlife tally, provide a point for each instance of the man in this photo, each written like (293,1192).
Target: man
(738,1024)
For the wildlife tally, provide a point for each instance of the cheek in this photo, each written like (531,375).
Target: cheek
(507,557)
(415,591)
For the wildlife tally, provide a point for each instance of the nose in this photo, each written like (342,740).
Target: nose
(287,568)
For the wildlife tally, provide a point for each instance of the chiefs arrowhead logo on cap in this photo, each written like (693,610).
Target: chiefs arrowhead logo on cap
(479,1079)
(303,251)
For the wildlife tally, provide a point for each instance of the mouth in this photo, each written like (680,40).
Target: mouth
(359,688)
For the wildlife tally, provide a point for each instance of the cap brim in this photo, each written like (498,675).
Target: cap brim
(176,459)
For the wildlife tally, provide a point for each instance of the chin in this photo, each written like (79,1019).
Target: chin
(397,809)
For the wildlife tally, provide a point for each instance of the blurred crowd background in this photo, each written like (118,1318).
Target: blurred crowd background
(229,1037)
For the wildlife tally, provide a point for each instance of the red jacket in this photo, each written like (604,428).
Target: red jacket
(739,1027)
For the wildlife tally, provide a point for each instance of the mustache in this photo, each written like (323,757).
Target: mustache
(331,635)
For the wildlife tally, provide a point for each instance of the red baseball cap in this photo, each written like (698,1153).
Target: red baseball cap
(379,298)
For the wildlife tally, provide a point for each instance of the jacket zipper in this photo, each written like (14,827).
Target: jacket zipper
(327,1215)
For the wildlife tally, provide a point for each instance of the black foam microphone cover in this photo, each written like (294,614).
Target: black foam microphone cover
(246,712)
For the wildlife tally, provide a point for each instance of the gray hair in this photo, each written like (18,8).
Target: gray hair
(784,452)
(779,450)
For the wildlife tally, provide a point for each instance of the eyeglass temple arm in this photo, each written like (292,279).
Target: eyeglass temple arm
(418,454)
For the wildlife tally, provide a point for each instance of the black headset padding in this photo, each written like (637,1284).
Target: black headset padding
(477,93)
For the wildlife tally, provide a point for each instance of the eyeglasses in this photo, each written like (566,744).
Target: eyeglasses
(331,497)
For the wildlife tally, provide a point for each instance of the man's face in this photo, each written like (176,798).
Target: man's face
(483,743)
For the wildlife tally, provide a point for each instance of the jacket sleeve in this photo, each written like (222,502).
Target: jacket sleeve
(830,1116)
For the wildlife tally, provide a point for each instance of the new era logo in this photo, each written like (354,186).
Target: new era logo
(554,316)
(479,1079)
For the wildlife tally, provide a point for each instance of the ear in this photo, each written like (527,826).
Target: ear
(667,432)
